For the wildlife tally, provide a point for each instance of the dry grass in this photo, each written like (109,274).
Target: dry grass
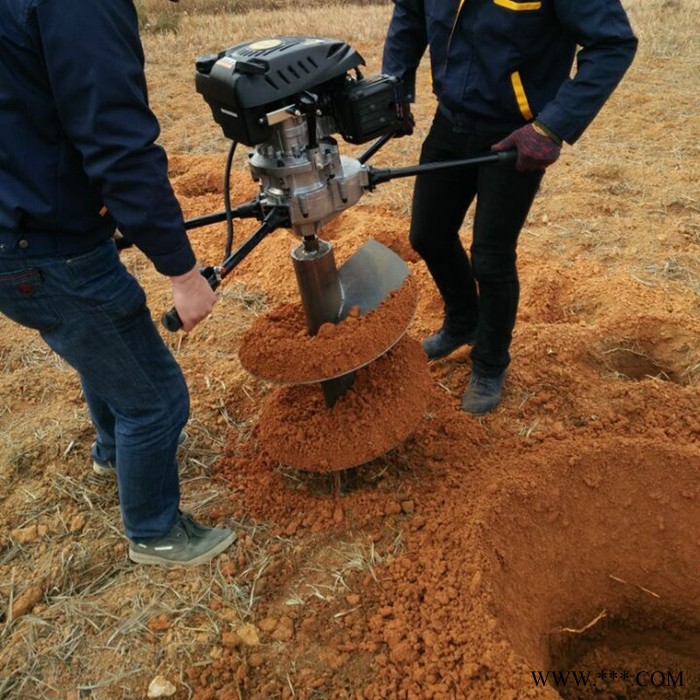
(242,7)
(666,28)
(93,629)
(213,31)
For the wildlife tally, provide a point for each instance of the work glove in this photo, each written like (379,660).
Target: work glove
(536,147)
(407,124)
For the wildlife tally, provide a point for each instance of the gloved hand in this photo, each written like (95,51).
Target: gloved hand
(536,150)
(407,124)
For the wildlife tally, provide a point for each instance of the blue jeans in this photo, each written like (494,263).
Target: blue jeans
(481,289)
(92,312)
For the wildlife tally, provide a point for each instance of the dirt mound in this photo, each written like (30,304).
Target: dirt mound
(554,540)
(278,348)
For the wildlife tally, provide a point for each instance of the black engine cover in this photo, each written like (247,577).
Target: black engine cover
(244,83)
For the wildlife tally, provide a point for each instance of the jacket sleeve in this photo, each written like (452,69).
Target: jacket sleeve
(95,67)
(608,45)
(405,43)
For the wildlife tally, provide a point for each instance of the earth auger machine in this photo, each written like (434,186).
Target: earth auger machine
(286,98)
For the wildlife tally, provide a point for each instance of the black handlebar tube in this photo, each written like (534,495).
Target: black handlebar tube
(276,218)
(249,210)
(378,176)
(366,155)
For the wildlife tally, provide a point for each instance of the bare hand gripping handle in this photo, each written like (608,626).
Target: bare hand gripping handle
(274,219)
(171,319)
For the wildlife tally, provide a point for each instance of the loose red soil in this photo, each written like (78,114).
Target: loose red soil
(278,348)
(460,554)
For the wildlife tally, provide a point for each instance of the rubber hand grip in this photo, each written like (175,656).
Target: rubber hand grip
(171,320)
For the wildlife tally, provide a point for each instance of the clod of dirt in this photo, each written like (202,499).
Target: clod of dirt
(379,411)
(26,601)
(278,348)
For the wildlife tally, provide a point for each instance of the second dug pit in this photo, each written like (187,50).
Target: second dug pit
(595,567)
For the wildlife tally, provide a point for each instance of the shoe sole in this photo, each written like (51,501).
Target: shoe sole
(478,413)
(101,470)
(141,558)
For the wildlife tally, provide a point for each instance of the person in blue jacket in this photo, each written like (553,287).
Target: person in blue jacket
(79,160)
(502,75)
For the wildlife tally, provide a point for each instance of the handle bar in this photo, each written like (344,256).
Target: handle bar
(278,216)
(377,176)
(275,218)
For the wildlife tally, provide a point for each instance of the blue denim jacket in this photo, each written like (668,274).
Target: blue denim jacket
(507,62)
(77,138)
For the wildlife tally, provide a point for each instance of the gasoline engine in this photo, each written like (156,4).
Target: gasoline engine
(287,98)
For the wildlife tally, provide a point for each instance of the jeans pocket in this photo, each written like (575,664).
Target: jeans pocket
(100,280)
(89,267)
(24,299)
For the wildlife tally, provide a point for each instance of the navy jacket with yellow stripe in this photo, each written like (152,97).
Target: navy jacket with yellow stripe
(506,62)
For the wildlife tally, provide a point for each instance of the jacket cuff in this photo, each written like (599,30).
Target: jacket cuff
(560,123)
(175,262)
(544,130)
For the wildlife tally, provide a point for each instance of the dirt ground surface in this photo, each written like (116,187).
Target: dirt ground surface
(469,557)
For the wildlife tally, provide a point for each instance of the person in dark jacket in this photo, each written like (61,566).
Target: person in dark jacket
(79,160)
(502,75)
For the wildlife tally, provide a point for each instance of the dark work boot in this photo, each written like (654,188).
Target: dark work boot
(483,393)
(450,337)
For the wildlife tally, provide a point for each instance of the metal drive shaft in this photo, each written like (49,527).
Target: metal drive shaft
(321,298)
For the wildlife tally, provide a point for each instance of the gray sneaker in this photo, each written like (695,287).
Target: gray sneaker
(107,468)
(187,544)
